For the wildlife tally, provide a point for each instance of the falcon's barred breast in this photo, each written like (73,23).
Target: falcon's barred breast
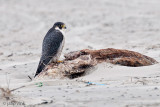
(52,46)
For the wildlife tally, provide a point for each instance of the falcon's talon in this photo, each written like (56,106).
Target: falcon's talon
(60,61)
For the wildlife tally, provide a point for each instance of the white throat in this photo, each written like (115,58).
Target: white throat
(61,30)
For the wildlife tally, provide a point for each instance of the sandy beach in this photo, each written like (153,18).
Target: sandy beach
(91,24)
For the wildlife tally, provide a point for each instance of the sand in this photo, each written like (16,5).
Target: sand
(92,24)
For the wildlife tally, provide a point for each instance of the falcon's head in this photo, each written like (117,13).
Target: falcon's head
(59,26)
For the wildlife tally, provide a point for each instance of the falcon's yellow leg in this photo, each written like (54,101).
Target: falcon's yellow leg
(59,61)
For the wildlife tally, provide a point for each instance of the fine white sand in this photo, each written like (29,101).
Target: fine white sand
(92,24)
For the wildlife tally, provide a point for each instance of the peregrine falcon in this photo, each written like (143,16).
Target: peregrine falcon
(52,46)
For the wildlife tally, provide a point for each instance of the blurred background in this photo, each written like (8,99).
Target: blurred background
(93,24)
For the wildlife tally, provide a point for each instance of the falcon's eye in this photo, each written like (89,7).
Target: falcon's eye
(60,26)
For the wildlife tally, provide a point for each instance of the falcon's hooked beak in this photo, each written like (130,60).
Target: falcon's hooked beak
(64,26)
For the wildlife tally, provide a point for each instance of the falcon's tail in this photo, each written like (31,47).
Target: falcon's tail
(40,68)
(42,65)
